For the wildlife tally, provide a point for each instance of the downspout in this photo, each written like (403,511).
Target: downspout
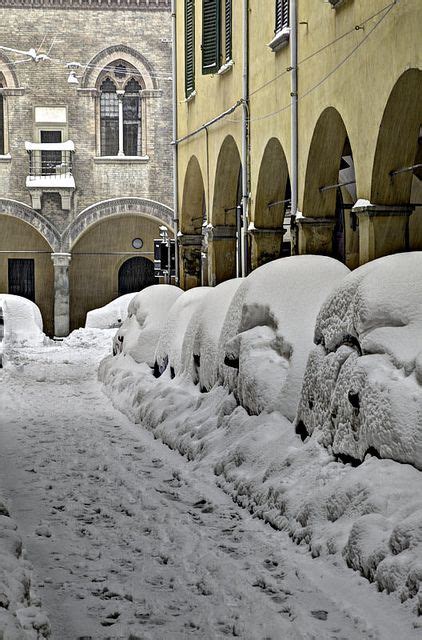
(243,242)
(293,117)
(175,167)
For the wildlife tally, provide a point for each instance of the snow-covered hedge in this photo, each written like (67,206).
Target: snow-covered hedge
(111,315)
(309,483)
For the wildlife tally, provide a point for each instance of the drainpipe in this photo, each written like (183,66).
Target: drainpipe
(175,168)
(294,113)
(243,241)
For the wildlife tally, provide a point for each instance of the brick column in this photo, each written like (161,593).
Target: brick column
(61,263)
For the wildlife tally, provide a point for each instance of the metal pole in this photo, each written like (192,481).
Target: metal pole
(405,169)
(175,166)
(242,241)
(336,186)
(294,109)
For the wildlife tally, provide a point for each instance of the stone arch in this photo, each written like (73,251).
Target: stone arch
(192,217)
(328,226)
(35,219)
(116,207)
(222,244)
(98,251)
(397,144)
(105,57)
(273,187)
(324,163)
(193,199)
(8,72)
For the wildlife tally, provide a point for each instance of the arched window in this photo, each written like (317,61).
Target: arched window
(2,144)
(109,117)
(120,110)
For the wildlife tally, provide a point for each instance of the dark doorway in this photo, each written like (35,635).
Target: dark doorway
(22,278)
(50,159)
(339,250)
(136,274)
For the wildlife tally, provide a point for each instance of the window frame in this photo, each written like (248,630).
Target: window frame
(281,25)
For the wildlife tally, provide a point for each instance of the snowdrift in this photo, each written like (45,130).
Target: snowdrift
(111,315)
(316,481)
(22,320)
(20,614)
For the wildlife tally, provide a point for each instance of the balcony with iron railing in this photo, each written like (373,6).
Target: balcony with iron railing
(50,170)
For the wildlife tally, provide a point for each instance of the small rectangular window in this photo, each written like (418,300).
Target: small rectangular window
(189,47)
(1,125)
(281,15)
(211,49)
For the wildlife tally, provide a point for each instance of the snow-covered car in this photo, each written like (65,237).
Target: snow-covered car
(200,354)
(111,315)
(146,316)
(268,330)
(170,345)
(363,385)
(22,320)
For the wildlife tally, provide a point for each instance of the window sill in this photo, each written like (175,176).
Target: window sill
(121,159)
(6,158)
(281,39)
(225,67)
(190,97)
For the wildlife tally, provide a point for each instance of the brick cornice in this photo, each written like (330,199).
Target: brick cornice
(128,5)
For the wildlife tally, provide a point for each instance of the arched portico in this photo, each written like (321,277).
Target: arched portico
(389,224)
(271,203)
(192,218)
(225,218)
(328,227)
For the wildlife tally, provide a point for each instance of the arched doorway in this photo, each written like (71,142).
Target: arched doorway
(135,274)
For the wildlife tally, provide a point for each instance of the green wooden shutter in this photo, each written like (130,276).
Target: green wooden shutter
(210,36)
(189,47)
(281,15)
(228,31)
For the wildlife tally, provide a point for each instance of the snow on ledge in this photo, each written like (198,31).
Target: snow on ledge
(66,181)
(50,146)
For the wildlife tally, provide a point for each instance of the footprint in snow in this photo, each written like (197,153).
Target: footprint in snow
(204,506)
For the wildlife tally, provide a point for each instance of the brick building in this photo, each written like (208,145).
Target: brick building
(85,157)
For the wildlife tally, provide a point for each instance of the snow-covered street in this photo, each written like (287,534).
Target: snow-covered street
(130,540)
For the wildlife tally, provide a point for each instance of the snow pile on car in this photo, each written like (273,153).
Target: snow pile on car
(146,317)
(170,344)
(20,614)
(269,330)
(111,315)
(363,386)
(22,320)
(256,426)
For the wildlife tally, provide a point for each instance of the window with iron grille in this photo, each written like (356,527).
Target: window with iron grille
(1,122)
(281,15)
(109,117)
(189,47)
(211,36)
(228,29)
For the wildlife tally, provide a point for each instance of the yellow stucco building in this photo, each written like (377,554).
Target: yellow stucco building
(309,107)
